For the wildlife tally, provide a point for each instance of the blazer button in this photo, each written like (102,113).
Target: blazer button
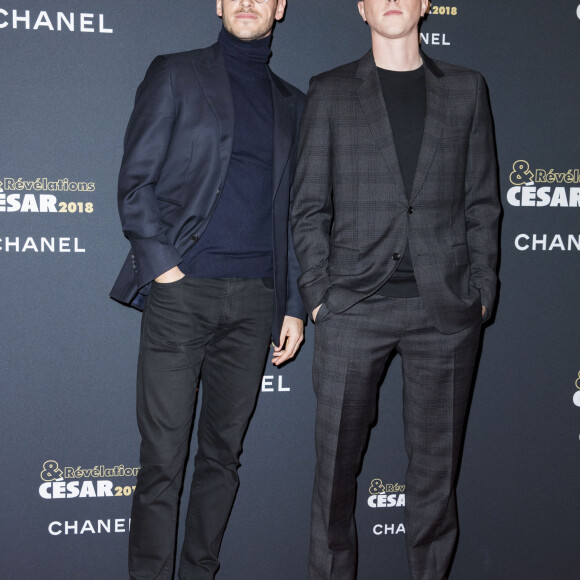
(396,256)
(410,210)
(194,238)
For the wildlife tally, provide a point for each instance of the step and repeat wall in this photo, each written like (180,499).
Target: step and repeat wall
(68,73)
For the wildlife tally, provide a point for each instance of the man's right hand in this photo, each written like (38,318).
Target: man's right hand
(172,275)
(315,312)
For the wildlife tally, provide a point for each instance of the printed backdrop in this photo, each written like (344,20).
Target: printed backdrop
(68,73)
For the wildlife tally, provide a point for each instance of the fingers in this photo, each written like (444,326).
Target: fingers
(315,312)
(291,347)
(172,275)
(291,337)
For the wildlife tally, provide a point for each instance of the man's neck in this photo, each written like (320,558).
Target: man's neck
(399,54)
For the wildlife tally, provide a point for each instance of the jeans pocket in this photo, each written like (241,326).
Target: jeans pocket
(169,284)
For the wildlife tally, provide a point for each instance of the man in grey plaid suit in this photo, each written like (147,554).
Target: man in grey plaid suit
(395,225)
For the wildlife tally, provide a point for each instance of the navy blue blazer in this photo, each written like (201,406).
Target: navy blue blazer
(178,147)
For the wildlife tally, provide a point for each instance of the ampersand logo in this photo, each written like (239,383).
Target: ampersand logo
(521,173)
(376,487)
(576,397)
(50,471)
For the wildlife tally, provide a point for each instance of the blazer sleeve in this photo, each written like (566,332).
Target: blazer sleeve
(482,206)
(294,304)
(313,209)
(146,143)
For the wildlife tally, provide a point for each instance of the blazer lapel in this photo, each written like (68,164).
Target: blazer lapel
(214,82)
(372,101)
(436,111)
(283,109)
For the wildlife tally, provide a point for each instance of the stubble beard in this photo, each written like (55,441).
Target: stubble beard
(250,36)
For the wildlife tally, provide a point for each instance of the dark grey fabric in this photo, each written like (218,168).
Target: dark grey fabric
(351,222)
(350,352)
(351,217)
(219,329)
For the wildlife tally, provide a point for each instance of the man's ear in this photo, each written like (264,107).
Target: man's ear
(280,9)
(361,10)
(218,8)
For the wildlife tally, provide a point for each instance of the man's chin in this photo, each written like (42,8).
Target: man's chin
(248,34)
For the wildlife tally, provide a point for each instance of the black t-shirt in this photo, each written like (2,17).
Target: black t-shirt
(405,98)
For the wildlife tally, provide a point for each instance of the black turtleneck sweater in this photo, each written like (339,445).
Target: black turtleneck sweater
(237,242)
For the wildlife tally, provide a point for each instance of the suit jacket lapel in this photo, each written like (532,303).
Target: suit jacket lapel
(284,115)
(213,79)
(436,111)
(214,82)
(372,101)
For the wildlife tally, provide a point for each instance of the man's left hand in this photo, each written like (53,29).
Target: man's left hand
(483,311)
(291,336)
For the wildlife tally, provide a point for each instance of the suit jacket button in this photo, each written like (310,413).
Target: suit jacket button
(410,210)
(194,238)
(396,256)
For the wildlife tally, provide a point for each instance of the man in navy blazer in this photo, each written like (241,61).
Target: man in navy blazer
(204,198)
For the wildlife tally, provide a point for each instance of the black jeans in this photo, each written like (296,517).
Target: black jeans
(219,329)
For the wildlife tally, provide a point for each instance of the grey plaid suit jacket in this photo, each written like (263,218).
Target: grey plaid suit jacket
(352,216)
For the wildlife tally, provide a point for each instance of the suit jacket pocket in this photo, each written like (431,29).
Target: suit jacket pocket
(167,208)
(169,200)
(460,254)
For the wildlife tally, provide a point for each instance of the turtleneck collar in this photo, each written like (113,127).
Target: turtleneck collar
(251,52)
